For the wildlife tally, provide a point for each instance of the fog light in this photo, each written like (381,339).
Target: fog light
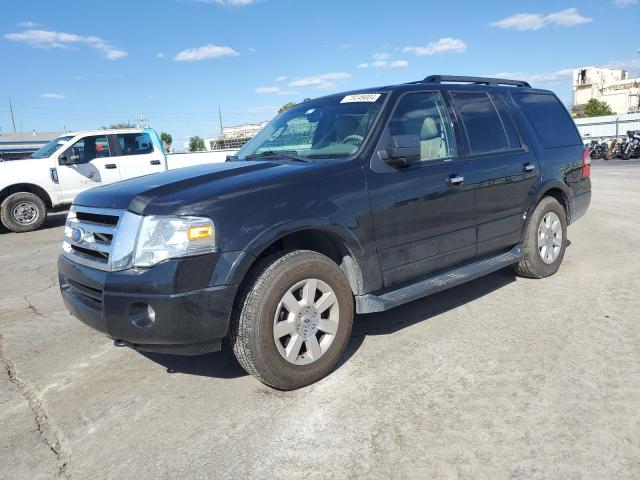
(141,314)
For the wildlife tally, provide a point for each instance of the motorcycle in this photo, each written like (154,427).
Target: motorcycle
(614,150)
(597,149)
(632,148)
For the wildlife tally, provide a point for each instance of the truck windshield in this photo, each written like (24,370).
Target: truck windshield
(329,127)
(50,148)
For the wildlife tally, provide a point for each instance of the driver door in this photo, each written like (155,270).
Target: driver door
(88,164)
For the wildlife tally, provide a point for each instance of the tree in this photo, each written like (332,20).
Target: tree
(196,144)
(122,125)
(167,140)
(596,108)
(286,107)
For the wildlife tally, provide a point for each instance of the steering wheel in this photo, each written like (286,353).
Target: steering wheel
(353,139)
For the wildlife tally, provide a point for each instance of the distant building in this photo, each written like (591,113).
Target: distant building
(607,85)
(22,144)
(234,137)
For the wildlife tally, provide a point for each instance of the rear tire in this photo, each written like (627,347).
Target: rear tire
(544,240)
(292,320)
(23,212)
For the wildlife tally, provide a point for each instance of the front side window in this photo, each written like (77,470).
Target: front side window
(481,122)
(89,148)
(134,143)
(50,148)
(424,115)
(330,127)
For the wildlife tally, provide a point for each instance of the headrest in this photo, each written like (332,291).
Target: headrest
(429,129)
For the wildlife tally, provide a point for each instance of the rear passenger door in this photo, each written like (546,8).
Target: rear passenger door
(503,170)
(423,220)
(137,155)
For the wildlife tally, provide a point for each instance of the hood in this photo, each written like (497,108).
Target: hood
(175,191)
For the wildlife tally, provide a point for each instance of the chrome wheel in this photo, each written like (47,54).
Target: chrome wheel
(306,321)
(550,237)
(25,213)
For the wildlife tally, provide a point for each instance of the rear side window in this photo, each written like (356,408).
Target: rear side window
(548,117)
(481,122)
(134,143)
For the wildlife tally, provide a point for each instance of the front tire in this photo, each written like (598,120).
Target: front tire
(23,212)
(544,240)
(293,318)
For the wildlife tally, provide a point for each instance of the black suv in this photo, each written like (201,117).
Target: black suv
(351,203)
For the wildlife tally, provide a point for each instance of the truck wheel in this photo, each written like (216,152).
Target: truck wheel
(23,212)
(293,319)
(544,240)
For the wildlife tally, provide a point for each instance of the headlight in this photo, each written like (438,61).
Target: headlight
(163,237)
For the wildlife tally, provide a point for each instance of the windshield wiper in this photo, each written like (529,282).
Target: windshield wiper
(290,154)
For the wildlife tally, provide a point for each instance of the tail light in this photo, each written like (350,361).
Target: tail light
(586,164)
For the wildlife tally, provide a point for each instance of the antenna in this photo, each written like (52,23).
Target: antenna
(13,120)
(220,116)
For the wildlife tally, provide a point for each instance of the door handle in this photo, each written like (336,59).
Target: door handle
(528,167)
(110,166)
(155,162)
(455,180)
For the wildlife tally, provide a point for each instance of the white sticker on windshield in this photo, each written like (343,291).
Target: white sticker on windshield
(361,97)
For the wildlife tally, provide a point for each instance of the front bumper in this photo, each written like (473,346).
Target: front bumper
(187,320)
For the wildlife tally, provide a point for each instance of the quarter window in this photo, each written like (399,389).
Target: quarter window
(548,117)
(134,143)
(424,115)
(481,122)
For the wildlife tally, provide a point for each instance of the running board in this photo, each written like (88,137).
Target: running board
(370,302)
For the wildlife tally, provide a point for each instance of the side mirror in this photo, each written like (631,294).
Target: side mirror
(404,150)
(63,159)
(68,159)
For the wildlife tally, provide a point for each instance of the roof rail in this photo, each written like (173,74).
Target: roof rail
(477,80)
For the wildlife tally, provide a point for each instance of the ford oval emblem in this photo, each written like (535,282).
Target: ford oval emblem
(77,235)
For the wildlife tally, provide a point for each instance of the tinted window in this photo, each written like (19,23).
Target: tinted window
(89,148)
(481,122)
(424,115)
(548,117)
(507,123)
(134,143)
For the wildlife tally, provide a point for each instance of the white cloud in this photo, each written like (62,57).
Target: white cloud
(399,64)
(536,78)
(624,3)
(50,39)
(281,78)
(52,96)
(28,24)
(205,52)
(363,65)
(381,56)
(534,21)
(326,81)
(444,45)
(345,46)
(160,55)
(273,90)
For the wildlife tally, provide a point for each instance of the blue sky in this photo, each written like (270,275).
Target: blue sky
(82,64)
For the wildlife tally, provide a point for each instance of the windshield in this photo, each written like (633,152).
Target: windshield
(49,149)
(331,127)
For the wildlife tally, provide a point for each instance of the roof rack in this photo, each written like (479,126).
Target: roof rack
(476,80)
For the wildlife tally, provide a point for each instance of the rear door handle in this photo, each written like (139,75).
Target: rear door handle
(455,180)
(155,162)
(528,167)
(110,166)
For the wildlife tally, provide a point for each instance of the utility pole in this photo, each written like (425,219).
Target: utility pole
(13,120)
(220,116)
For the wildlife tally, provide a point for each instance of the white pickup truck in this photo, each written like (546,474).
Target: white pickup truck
(75,162)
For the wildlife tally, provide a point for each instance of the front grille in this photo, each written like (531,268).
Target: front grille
(90,235)
(91,296)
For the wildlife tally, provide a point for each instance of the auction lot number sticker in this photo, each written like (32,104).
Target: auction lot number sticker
(361,97)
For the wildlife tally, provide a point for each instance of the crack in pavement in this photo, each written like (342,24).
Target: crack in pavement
(47,433)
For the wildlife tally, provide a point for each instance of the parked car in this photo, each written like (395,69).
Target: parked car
(352,203)
(76,162)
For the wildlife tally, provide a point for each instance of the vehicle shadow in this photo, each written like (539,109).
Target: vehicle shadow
(54,219)
(224,365)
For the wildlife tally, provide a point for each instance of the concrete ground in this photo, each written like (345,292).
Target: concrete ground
(500,378)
